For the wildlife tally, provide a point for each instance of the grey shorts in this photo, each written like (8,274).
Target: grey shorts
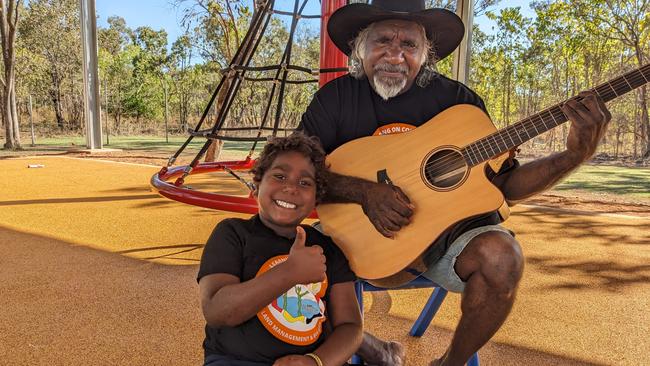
(442,271)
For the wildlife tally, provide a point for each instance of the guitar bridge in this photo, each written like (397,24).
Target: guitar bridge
(382,177)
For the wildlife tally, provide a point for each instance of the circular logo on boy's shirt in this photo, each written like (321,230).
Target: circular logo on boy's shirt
(393,128)
(296,316)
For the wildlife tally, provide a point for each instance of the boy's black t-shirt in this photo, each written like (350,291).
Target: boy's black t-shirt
(293,323)
(346,109)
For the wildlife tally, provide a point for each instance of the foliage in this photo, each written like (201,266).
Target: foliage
(49,34)
(522,66)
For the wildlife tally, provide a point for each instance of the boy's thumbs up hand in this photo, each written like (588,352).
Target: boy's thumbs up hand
(306,264)
(301,237)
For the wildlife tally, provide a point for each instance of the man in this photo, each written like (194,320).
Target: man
(393,47)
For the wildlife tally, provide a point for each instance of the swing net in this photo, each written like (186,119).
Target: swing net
(235,93)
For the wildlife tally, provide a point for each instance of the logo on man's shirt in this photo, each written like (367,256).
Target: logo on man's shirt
(393,128)
(296,316)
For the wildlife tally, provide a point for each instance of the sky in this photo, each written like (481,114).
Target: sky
(161,14)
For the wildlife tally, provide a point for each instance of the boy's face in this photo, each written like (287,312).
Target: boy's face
(287,192)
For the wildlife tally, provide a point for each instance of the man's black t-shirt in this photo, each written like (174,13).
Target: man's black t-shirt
(346,109)
(291,324)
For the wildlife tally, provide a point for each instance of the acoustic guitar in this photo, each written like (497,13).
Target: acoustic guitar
(441,166)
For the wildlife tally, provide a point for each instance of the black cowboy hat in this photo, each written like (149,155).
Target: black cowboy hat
(443,28)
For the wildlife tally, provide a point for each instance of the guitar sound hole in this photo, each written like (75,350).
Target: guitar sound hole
(444,169)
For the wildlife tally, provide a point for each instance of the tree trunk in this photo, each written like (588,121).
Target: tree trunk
(14,114)
(118,112)
(9,21)
(55,97)
(166,113)
(10,142)
(645,120)
(215,148)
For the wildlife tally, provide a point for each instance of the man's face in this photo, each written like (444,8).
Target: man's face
(393,56)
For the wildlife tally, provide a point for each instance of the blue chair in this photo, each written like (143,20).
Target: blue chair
(426,315)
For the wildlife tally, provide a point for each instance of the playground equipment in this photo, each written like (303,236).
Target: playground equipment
(169,181)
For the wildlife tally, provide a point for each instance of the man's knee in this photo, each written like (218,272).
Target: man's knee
(498,258)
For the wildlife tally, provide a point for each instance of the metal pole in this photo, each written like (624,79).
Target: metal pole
(330,56)
(166,114)
(462,55)
(91,77)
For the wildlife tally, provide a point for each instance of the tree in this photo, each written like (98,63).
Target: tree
(9,10)
(116,53)
(183,76)
(626,21)
(222,25)
(147,93)
(50,30)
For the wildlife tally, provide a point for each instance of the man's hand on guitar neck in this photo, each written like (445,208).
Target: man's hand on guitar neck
(589,118)
(386,206)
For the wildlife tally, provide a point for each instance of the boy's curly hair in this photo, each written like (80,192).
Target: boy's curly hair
(309,147)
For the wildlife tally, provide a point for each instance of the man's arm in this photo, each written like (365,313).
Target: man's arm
(386,206)
(589,118)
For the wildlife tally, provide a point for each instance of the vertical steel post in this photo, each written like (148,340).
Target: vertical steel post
(462,55)
(330,56)
(91,77)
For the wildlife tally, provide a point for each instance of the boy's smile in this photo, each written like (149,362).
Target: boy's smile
(285,204)
(287,192)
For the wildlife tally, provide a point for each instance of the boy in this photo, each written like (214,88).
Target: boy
(265,283)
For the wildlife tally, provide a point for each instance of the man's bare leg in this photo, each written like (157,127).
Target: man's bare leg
(374,351)
(491,265)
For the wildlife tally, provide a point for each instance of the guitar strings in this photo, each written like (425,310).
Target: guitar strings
(449,160)
(552,111)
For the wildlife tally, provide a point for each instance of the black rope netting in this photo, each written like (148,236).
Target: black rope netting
(235,74)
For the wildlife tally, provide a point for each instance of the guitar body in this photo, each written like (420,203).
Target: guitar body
(427,165)
(441,166)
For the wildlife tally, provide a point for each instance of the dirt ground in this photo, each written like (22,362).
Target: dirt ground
(120,283)
(572,200)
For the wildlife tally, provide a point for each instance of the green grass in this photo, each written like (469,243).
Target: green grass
(149,143)
(629,182)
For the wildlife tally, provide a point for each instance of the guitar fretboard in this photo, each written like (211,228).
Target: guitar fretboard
(516,134)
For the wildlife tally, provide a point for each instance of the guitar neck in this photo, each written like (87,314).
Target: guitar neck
(516,134)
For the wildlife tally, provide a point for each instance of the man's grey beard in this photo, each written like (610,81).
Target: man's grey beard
(388,87)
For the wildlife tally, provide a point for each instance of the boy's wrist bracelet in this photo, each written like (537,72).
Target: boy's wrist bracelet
(315,358)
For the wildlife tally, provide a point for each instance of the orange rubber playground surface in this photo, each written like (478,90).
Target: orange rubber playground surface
(95,268)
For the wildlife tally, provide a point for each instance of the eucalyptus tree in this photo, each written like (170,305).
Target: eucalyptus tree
(185,77)
(50,30)
(146,95)
(116,53)
(9,13)
(480,6)
(510,45)
(628,22)
(219,27)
